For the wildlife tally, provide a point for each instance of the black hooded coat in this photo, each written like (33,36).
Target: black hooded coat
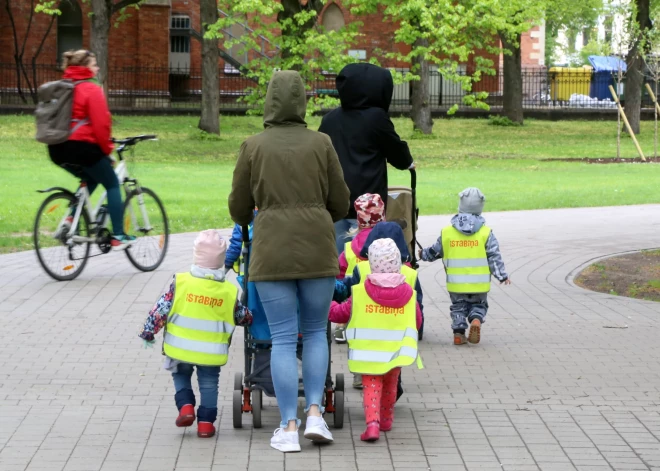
(362,132)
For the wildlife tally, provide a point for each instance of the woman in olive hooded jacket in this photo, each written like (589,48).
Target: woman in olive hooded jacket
(293,175)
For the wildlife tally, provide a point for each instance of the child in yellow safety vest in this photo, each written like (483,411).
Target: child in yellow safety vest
(198,312)
(383,319)
(471,254)
(370,210)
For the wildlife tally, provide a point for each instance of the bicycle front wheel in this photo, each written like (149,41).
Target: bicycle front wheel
(145,218)
(59,256)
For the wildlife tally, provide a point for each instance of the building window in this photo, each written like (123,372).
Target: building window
(180,44)
(69,28)
(237,51)
(333,18)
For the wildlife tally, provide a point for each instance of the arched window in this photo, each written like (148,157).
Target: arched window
(333,18)
(69,28)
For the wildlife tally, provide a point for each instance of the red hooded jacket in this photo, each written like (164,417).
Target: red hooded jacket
(89,103)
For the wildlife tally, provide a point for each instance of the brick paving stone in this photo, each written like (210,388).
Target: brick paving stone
(549,388)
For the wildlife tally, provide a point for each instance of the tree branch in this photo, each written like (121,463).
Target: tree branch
(27,32)
(123,4)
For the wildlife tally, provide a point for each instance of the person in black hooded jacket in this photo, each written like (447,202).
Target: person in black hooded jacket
(364,137)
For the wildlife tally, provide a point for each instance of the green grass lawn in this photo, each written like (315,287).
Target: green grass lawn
(192,172)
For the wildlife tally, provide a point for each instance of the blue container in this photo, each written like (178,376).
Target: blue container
(606,69)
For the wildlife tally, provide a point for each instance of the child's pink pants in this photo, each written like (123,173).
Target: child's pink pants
(380,395)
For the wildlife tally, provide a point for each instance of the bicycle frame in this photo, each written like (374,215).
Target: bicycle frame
(83,198)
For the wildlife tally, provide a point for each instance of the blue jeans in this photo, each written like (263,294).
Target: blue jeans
(342,228)
(207,377)
(281,300)
(103,173)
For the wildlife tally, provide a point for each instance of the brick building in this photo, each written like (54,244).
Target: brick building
(160,40)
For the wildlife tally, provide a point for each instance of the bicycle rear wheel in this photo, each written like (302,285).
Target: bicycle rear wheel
(152,233)
(60,260)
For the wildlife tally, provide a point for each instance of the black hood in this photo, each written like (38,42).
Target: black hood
(365,85)
(387,230)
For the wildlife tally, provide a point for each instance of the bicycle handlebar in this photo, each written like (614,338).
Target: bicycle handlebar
(131,141)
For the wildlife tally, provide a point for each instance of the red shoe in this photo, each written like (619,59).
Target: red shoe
(386,425)
(371,433)
(205,430)
(186,416)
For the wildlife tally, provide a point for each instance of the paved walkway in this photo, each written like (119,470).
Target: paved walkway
(550,387)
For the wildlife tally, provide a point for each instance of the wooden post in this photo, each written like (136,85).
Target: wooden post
(655,102)
(625,121)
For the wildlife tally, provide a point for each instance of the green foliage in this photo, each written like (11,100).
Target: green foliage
(444,33)
(306,46)
(496,120)
(51,7)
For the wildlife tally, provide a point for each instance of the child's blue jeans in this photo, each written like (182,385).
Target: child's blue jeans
(207,377)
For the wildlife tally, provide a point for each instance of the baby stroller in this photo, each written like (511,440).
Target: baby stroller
(402,208)
(250,387)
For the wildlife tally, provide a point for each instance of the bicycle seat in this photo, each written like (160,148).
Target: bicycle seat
(131,141)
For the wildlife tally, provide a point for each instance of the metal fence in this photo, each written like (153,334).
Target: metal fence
(164,88)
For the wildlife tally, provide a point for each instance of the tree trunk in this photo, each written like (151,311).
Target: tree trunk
(634,76)
(101,14)
(209,120)
(421,94)
(512,96)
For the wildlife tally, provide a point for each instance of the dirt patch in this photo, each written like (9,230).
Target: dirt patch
(634,275)
(612,160)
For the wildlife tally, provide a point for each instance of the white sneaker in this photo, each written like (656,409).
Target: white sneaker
(286,442)
(317,430)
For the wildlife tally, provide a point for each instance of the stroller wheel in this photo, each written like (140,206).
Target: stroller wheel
(339,382)
(257,404)
(237,406)
(238,382)
(339,409)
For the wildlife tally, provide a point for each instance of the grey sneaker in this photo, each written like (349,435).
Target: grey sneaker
(357,381)
(340,333)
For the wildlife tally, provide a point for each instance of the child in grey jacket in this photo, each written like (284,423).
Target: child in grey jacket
(471,254)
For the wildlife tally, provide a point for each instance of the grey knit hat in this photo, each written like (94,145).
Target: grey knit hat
(471,201)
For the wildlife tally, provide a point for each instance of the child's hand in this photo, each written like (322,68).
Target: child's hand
(148,344)
(506,282)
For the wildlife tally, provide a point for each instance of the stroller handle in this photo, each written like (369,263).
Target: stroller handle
(413,178)
(246,235)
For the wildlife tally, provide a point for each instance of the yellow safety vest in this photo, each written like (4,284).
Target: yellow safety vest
(201,321)
(351,258)
(409,273)
(465,259)
(380,338)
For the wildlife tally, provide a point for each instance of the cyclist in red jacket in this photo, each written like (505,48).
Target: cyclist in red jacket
(86,153)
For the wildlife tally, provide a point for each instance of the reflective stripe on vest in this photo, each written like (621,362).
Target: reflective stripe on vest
(380,338)
(465,260)
(409,273)
(382,357)
(351,258)
(196,346)
(380,334)
(201,322)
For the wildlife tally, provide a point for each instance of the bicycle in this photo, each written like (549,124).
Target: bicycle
(63,252)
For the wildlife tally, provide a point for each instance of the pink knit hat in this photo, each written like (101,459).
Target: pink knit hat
(370,210)
(209,250)
(384,256)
